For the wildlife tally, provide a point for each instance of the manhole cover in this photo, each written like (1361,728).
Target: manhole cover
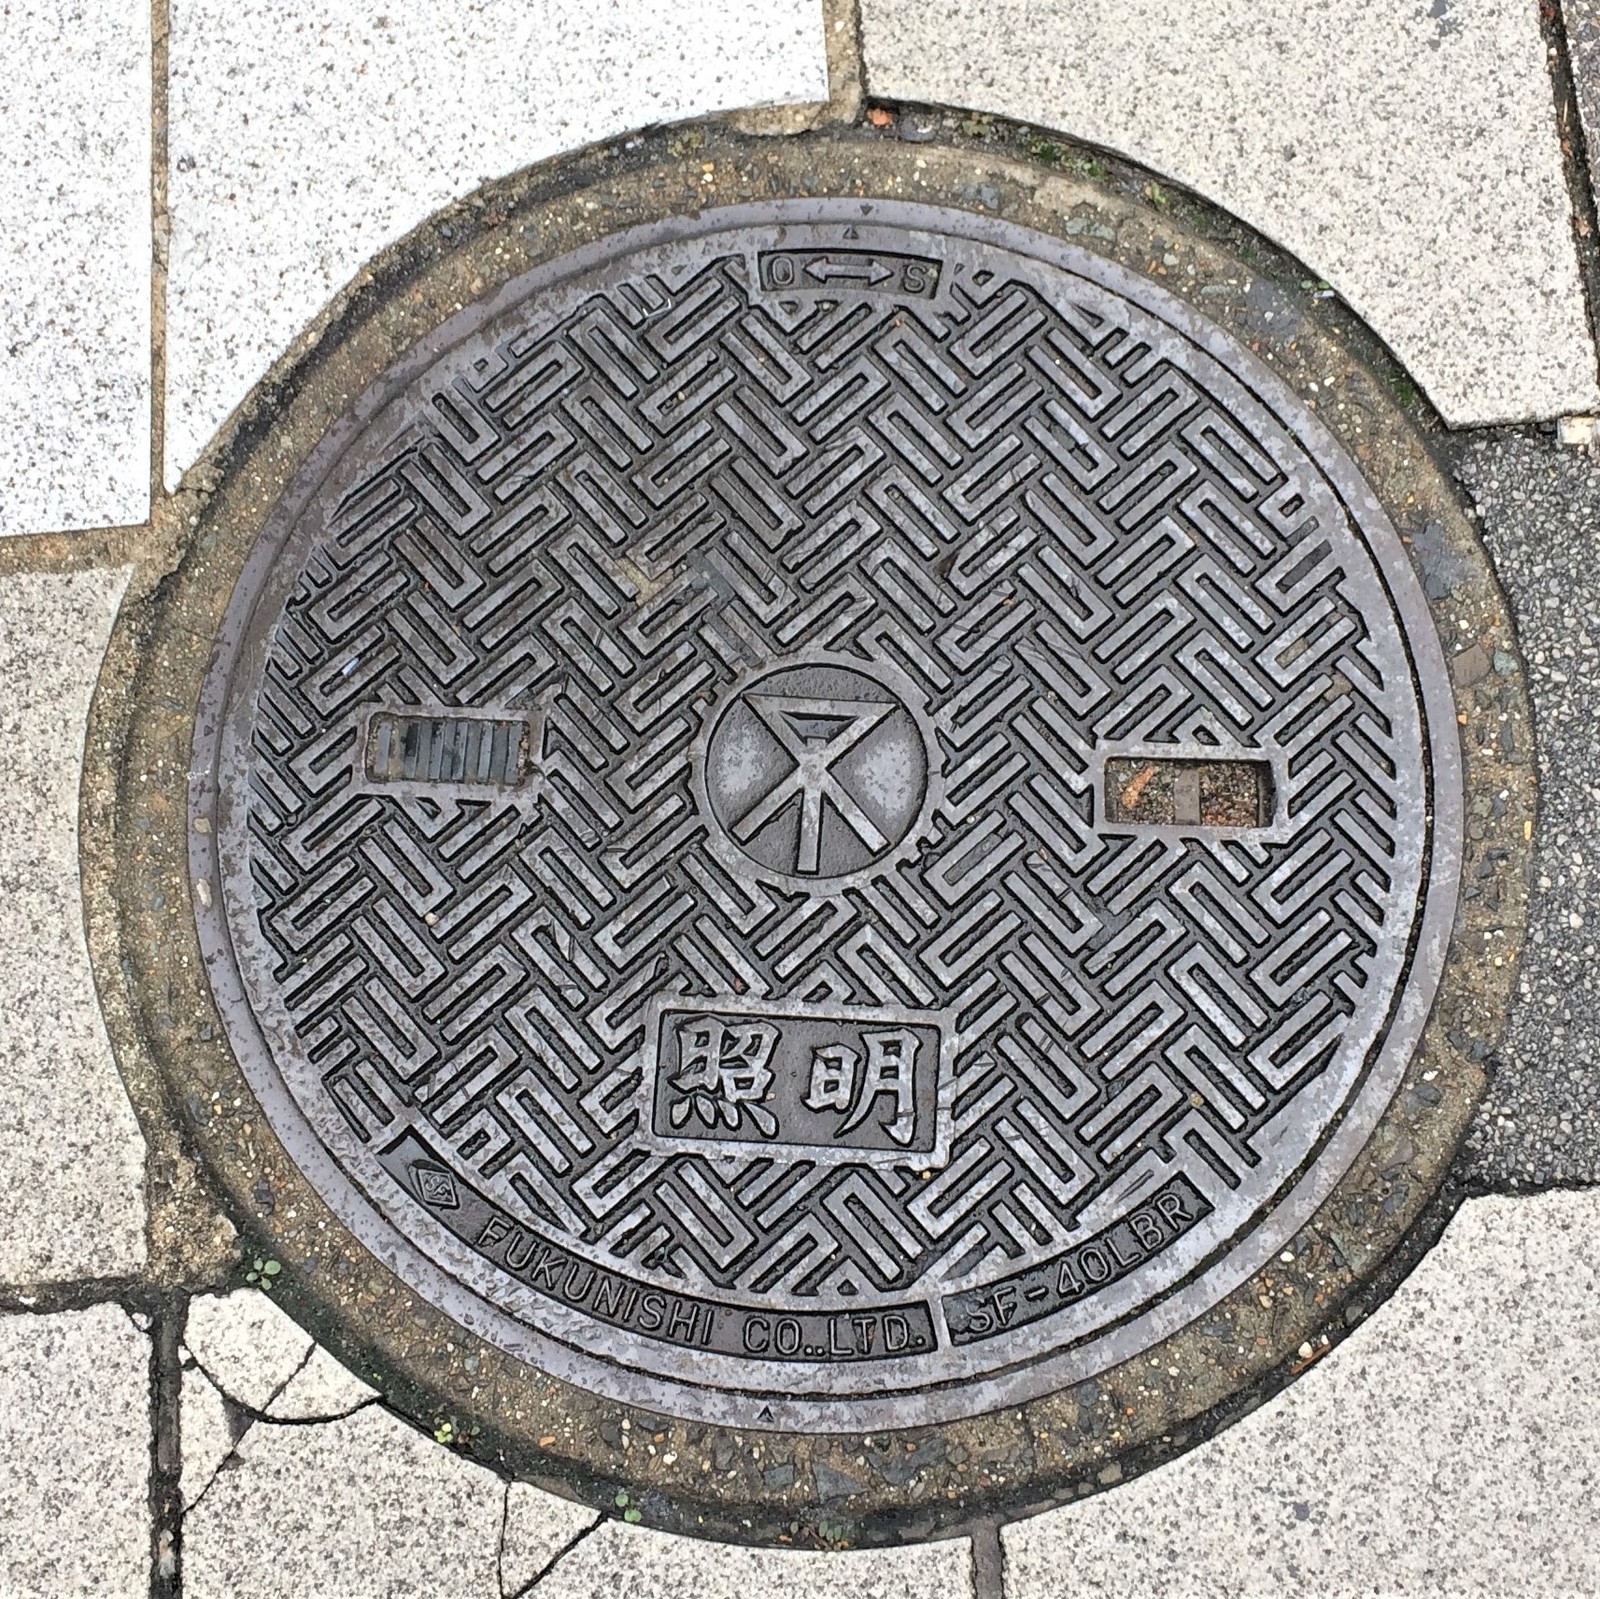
(826,820)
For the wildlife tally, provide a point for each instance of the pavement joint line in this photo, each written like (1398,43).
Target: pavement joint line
(1575,165)
(166,1446)
(847,59)
(847,83)
(1474,1185)
(988,1560)
(136,1295)
(500,1546)
(160,237)
(85,550)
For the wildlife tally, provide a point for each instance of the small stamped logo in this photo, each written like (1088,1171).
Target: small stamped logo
(436,1185)
(845,1085)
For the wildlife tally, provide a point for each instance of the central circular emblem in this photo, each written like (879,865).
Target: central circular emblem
(816,770)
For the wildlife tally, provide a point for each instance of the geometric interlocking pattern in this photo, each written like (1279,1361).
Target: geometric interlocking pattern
(1023,495)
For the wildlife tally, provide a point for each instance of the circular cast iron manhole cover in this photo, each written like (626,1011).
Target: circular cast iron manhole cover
(824,818)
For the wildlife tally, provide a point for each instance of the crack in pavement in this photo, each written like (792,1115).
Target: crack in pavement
(560,1555)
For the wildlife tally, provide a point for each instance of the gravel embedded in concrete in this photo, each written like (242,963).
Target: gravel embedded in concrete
(1539,513)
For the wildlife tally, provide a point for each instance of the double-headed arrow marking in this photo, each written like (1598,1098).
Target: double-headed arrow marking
(862,270)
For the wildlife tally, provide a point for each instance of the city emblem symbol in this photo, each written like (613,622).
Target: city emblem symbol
(817,772)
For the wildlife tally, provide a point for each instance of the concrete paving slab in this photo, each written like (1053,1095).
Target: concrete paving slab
(619,1559)
(206,1433)
(75,267)
(1450,1446)
(538,1527)
(363,1508)
(306,137)
(75,1439)
(71,1155)
(1407,153)
(1537,507)
(247,1346)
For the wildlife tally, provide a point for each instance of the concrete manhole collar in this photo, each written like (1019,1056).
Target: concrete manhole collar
(823,816)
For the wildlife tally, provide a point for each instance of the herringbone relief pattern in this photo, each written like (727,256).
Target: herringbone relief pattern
(1037,517)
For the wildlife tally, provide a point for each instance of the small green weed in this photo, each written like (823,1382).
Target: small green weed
(262,1274)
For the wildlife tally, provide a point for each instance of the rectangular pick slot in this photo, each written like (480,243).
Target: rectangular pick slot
(1154,791)
(449,750)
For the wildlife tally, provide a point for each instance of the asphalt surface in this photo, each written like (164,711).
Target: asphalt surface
(1538,509)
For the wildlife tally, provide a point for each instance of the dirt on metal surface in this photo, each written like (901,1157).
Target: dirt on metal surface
(1222,788)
